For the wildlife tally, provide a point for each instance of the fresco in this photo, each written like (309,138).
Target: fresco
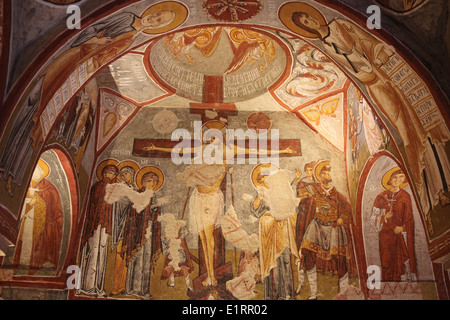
(376,69)
(45,221)
(119,78)
(394,236)
(113,113)
(65,75)
(219,154)
(19,145)
(230,10)
(366,134)
(78,120)
(243,61)
(327,116)
(312,75)
(226,232)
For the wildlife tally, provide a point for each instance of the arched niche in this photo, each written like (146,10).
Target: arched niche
(421,74)
(47,222)
(370,213)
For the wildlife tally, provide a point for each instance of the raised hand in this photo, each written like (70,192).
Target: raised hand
(289,150)
(150,148)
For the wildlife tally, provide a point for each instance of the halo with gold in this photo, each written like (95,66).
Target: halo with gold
(387,177)
(215,124)
(285,15)
(125,164)
(45,168)
(180,11)
(103,164)
(319,166)
(262,167)
(148,169)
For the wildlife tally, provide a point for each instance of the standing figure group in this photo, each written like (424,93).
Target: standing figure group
(122,216)
(314,230)
(308,226)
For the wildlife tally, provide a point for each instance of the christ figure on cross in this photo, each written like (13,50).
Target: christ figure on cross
(206,204)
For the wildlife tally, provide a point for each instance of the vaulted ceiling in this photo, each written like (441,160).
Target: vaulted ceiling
(367,99)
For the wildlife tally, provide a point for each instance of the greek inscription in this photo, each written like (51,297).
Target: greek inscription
(410,84)
(431,120)
(418,95)
(393,63)
(425,107)
(401,74)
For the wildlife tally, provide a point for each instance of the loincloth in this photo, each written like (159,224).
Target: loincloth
(206,209)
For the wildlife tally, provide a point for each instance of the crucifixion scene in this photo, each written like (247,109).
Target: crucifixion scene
(221,150)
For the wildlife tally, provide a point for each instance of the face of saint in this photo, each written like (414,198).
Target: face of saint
(151,183)
(325,177)
(397,180)
(126,176)
(262,180)
(309,21)
(309,172)
(157,19)
(111,175)
(37,174)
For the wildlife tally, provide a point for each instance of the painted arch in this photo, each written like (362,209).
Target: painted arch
(91,97)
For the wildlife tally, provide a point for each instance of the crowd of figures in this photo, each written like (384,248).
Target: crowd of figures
(309,234)
(125,217)
(316,236)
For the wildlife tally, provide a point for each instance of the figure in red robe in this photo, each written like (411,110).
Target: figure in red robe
(142,241)
(392,217)
(47,244)
(44,210)
(96,234)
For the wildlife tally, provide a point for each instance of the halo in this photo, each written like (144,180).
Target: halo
(165,121)
(125,164)
(148,169)
(45,168)
(215,124)
(103,164)
(181,13)
(258,119)
(318,168)
(257,170)
(285,15)
(387,177)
